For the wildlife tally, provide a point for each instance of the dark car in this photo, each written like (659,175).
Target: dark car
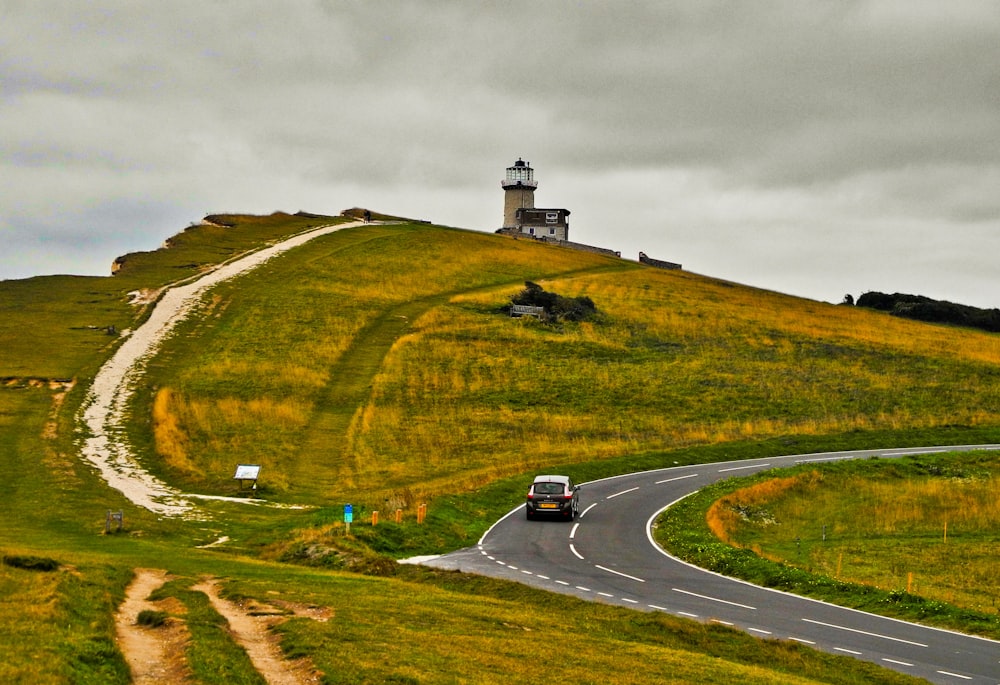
(553,496)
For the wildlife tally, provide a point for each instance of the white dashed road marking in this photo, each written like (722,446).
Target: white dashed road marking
(619,573)
(864,632)
(714,599)
(623,492)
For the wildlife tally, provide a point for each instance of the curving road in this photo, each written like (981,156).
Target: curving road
(608,555)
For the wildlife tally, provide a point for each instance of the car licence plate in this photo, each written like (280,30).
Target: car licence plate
(548,505)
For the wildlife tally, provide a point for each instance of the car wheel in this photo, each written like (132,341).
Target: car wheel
(528,515)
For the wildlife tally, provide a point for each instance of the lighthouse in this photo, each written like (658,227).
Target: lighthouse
(518,191)
(519,213)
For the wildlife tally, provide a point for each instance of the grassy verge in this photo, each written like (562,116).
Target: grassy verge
(804,563)
(427,626)
(928,525)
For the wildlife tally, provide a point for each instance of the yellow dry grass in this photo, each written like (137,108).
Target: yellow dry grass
(933,536)
(675,359)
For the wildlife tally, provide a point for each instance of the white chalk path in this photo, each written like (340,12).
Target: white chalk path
(104,410)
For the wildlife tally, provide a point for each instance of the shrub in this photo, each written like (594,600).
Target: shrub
(556,306)
(922,308)
(151,618)
(30,563)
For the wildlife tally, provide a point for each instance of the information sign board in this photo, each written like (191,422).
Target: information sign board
(247,472)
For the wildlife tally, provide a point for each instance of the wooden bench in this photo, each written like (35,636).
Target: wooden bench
(526,310)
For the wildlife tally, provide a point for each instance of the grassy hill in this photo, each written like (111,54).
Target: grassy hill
(375,366)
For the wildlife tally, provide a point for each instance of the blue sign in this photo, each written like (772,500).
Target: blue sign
(348,513)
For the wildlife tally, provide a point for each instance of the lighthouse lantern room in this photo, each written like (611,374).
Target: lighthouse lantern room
(519,191)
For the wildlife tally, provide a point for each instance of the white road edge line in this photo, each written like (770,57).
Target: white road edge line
(897,662)
(623,492)
(572,533)
(573,550)
(655,546)
(864,632)
(584,513)
(848,651)
(909,453)
(619,573)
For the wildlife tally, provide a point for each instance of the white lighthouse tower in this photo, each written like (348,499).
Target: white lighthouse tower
(519,191)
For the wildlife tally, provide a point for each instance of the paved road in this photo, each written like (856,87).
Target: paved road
(608,555)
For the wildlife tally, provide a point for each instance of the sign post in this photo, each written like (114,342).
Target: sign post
(248,472)
(348,516)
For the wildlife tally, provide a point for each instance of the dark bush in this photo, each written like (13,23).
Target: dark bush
(922,308)
(556,306)
(30,563)
(151,618)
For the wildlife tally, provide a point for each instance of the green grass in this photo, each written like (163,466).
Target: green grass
(213,655)
(929,526)
(880,524)
(57,327)
(373,366)
(397,371)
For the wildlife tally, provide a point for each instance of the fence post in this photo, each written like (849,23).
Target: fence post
(421,513)
(374,518)
(399,516)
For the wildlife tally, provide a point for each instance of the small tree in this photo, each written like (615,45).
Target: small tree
(555,306)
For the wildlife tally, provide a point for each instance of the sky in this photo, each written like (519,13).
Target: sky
(813,148)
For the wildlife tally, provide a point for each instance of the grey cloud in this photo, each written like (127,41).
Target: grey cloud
(796,132)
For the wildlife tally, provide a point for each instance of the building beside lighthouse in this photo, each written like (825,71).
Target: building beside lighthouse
(519,212)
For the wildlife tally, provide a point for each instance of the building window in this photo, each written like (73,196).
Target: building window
(551,217)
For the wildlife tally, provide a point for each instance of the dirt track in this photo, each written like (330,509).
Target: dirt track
(156,655)
(103,412)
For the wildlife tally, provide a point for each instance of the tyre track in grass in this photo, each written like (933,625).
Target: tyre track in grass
(252,631)
(327,464)
(157,655)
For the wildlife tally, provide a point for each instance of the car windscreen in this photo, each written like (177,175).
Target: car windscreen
(548,488)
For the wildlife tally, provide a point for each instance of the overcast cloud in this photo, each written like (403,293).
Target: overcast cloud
(814,148)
